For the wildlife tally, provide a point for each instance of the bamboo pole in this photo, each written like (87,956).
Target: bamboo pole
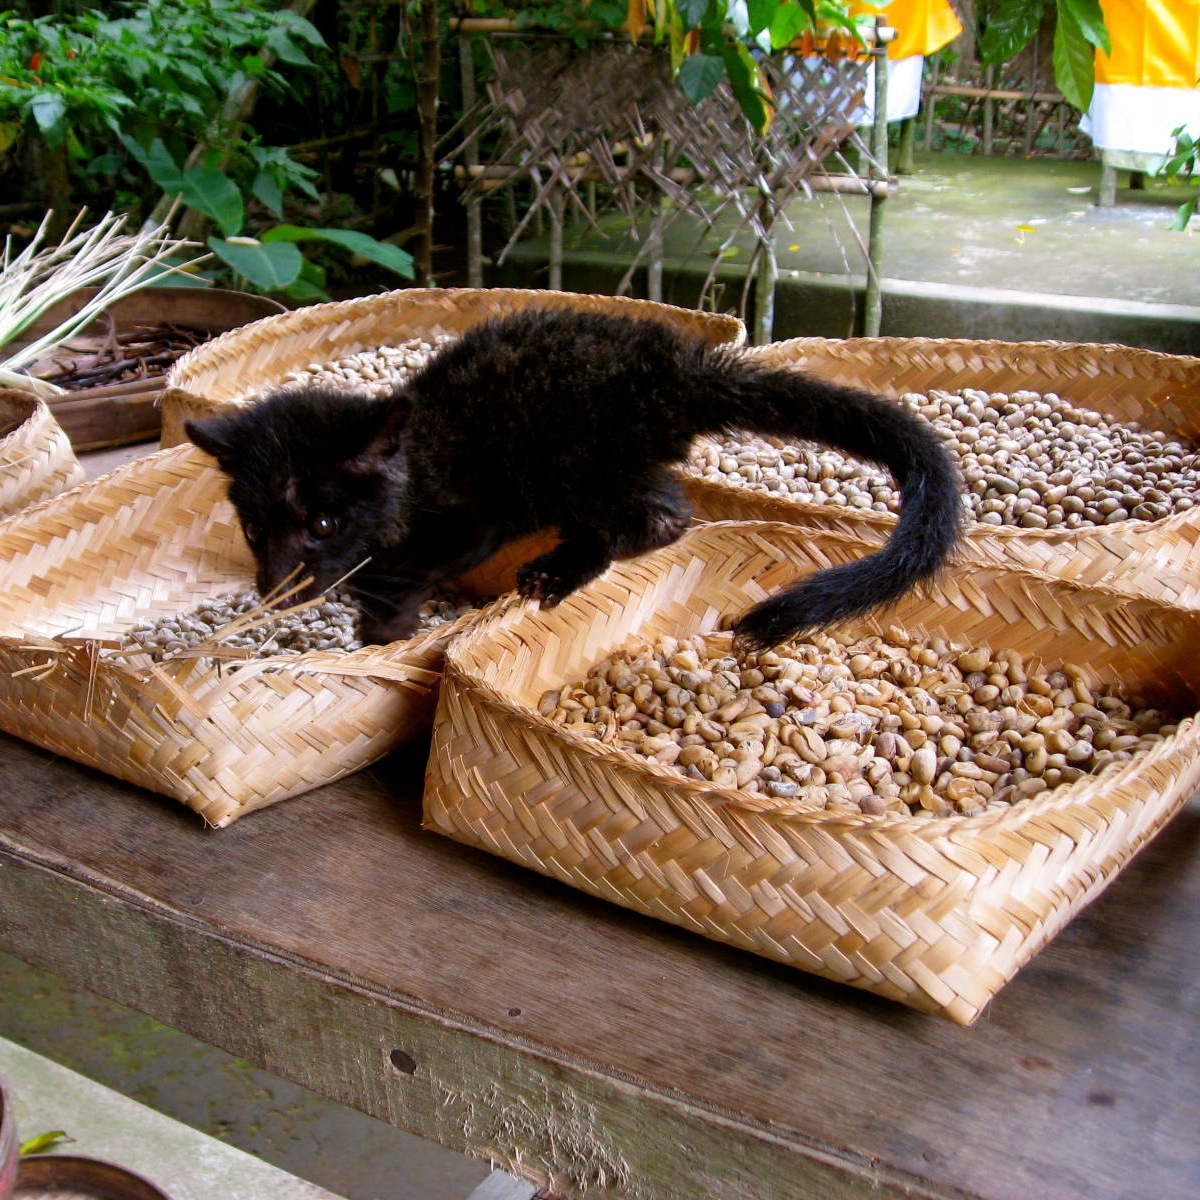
(423,187)
(873,297)
(474,206)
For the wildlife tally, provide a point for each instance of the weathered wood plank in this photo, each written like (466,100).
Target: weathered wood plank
(333,941)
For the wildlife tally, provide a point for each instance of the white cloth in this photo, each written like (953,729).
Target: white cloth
(903,89)
(1126,117)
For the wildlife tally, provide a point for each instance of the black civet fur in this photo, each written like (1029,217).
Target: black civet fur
(554,419)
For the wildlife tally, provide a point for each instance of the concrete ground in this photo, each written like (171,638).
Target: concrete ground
(340,1150)
(1016,249)
(108,1126)
(974,248)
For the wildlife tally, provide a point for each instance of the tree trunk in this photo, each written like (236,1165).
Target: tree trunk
(424,184)
(52,182)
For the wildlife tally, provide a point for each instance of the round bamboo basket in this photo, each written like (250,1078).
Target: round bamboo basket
(35,452)
(238,366)
(937,913)
(1158,391)
(155,538)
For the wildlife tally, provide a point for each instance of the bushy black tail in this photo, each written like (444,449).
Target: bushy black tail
(788,403)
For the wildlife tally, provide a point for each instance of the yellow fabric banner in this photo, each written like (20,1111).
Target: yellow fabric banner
(1155,43)
(922,26)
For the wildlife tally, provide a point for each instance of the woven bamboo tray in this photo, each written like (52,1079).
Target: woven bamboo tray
(937,913)
(36,459)
(1159,391)
(237,366)
(155,538)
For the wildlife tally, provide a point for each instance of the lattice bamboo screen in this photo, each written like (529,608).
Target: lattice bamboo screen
(606,127)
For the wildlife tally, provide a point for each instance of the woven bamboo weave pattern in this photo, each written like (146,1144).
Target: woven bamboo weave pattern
(1158,391)
(237,366)
(153,539)
(36,458)
(936,913)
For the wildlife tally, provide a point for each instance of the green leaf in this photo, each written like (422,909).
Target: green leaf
(41,1142)
(202,188)
(304,292)
(1184,214)
(298,27)
(270,268)
(286,50)
(761,13)
(49,112)
(791,20)
(1010,27)
(265,189)
(1089,17)
(382,253)
(691,12)
(1074,62)
(102,164)
(746,81)
(216,196)
(700,75)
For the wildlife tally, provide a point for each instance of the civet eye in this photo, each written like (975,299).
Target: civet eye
(322,527)
(251,533)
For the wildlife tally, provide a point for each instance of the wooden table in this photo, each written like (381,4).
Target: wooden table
(331,940)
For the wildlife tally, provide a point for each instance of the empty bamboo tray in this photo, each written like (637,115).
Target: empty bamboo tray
(155,538)
(1158,391)
(939,912)
(36,459)
(238,366)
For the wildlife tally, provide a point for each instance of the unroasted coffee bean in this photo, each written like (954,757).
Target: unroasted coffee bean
(883,726)
(330,625)
(379,370)
(1028,460)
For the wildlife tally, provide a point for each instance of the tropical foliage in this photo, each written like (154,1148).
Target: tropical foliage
(150,90)
(1009,25)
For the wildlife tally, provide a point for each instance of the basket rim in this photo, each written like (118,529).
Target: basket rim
(32,412)
(889,344)
(184,370)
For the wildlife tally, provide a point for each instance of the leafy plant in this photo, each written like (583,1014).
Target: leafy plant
(578,21)
(1183,166)
(1079,31)
(164,68)
(709,40)
(271,261)
(155,91)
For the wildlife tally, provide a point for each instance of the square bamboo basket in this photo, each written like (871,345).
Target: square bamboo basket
(1159,391)
(155,538)
(236,367)
(36,457)
(937,913)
